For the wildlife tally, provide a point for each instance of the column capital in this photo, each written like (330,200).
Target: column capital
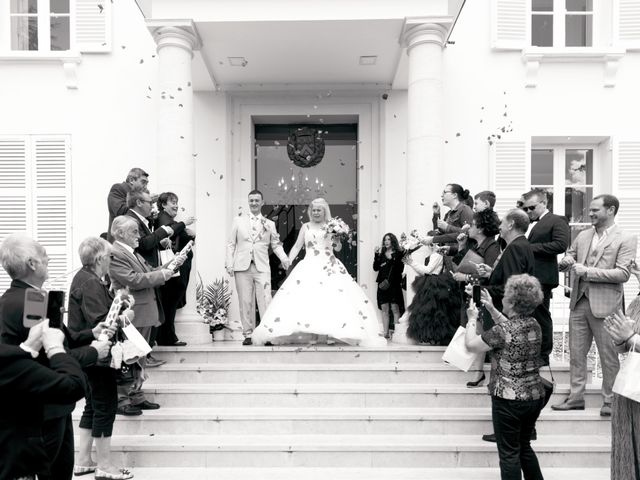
(419,30)
(177,33)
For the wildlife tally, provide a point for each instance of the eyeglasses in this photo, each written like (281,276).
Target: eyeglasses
(446,191)
(147,201)
(530,208)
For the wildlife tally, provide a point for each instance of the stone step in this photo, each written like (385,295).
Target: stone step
(353,451)
(357,421)
(240,473)
(428,373)
(333,395)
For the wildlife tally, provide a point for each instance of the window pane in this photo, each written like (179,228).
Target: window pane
(576,203)
(60,6)
(24,33)
(60,37)
(542,6)
(24,6)
(579,167)
(579,6)
(542,167)
(579,30)
(542,30)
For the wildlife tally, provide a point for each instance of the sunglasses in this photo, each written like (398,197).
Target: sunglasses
(531,208)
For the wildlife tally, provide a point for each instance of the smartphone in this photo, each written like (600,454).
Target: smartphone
(35,307)
(55,308)
(476,295)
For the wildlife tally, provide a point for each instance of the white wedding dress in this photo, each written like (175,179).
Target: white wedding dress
(319,297)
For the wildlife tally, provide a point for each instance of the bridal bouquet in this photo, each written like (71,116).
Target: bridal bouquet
(337,228)
(412,242)
(212,303)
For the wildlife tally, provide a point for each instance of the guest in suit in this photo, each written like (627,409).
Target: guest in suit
(248,260)
(26,262)
(599,260)
(549,236)
(26,385)
(129,269)
(173,292)
(89,304)
(117,198)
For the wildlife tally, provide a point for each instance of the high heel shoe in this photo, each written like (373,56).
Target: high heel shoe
(476,383)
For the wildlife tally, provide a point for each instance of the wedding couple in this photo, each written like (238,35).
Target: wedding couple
(319,299)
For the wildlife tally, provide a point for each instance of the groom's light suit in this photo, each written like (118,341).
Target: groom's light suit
(248,256)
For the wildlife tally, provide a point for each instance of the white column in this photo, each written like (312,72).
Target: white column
(425,140)
(176,42)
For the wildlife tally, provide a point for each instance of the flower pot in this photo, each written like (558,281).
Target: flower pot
(218,335)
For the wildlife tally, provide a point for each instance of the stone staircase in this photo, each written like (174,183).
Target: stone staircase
(230,411)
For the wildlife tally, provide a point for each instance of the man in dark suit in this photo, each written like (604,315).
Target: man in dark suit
(117,198)
(26,262)
(549,236)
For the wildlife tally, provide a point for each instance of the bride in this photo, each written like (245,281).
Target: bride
(319,297)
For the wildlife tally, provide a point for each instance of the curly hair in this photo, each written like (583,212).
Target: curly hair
(487,221)
(524,293)
(395,246)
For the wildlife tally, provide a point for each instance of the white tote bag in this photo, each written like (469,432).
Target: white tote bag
(133,335)
(627,382)
(457,354)
(166,256)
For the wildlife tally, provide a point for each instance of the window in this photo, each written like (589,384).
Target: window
(42,25)
(562,23)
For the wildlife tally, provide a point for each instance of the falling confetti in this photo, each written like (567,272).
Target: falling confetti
(221,177)
(123,46)
(100,7)
(458,134)
(181,137)
(194,154)
(208,194)
(141,60)
(243,180)
(180,105)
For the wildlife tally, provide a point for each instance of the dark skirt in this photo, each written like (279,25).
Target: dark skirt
(393,294)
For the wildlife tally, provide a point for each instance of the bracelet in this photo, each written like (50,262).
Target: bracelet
(625,342)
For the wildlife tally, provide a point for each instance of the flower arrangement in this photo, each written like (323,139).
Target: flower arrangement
(212,303)
(337,227)
(412,242)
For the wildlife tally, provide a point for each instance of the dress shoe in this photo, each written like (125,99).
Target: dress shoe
(129,410)
(247,341)
(268,344)
(564,406)
(490,437)
(180,343)
(605,411)
(154,362)
(476,383)
(147,405)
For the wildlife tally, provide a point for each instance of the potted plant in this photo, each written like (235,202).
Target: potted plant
(213,302)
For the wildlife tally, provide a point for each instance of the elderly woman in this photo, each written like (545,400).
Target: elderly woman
(172,293)
(89,303)
(517,392)
(625,416)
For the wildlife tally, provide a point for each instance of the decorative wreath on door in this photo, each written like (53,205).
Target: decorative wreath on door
(305,147)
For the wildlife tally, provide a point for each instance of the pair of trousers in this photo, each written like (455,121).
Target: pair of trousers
(543,316)
(102,402)
(583,328)
(252,286)
(513,423)
(170,294)
(57,435)
(128,394)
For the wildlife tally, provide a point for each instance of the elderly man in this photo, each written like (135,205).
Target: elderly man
(599,260)
(129,269)
(117,198)
(549,236)
(26,262)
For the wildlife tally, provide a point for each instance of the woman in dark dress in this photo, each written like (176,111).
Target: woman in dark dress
(388,263)
(173,291)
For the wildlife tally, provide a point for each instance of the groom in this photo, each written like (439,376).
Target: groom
(248,260)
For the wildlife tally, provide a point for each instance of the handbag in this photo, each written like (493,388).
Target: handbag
(549,386)
(385,284)
(627,381)
(457,354)
(468,263)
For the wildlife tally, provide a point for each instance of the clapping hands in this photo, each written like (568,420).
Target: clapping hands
(619,327)
(484,270)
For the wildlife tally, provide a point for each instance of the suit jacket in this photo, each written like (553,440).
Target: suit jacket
(549,237)
(117,203)
(610,270)
(245,245)
(131,270)
(149,244)
(25,387)
(516,259)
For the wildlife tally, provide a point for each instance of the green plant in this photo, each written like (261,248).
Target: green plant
(212,302)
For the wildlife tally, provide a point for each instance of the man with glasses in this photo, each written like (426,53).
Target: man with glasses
(117,198)
(549,236)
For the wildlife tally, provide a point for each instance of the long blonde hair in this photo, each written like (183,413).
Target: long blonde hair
(322,202)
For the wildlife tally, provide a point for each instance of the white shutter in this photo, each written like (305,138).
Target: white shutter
(510,172)
(509,24)
(626,186)
(52,202)
(627,23)
(13,192)
(92,25)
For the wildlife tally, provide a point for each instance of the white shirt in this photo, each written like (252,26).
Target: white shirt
(533,224)
(597,238)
